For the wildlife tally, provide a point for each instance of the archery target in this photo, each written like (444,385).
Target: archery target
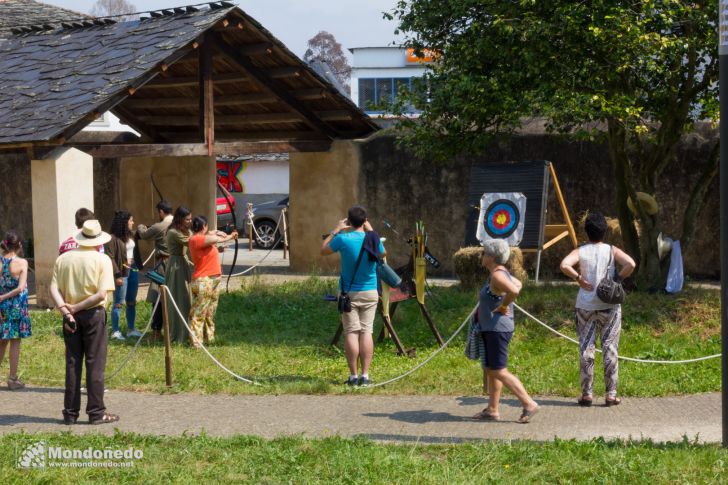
(502,217)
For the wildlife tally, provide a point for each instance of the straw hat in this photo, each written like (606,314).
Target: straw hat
(648,203)
(664,246)
(91,235)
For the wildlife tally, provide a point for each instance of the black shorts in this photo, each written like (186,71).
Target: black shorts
(496,349)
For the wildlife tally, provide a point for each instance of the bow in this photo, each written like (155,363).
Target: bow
(137,251)
(229,202)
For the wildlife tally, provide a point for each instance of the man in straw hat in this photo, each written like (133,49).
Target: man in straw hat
(81,281)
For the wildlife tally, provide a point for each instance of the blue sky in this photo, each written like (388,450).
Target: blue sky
(354,23)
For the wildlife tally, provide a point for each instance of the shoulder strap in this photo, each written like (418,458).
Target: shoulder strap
(609,263)
(356,267)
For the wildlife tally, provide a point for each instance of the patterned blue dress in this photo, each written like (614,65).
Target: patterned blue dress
(14,318)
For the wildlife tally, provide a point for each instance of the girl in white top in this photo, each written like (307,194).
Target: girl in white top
(597,259)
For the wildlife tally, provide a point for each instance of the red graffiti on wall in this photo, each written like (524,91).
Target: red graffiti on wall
(228,173)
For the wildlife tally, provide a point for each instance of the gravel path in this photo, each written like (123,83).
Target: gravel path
(427,419)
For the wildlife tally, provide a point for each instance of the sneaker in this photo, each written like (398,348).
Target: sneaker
(351,381)
(133,334)
(117,335)
(364,381)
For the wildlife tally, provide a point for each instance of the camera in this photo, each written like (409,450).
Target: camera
(344,303)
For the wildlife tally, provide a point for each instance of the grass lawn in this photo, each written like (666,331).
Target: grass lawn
(279,336)
(202,459)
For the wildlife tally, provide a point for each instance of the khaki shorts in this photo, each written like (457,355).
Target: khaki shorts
(363,311)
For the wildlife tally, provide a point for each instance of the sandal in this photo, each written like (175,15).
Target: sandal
(526,415)
(486,415)
(584,401)
(105,419)
(614,401)
(15,384)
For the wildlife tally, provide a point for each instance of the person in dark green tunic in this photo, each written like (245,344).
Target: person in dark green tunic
(179,272)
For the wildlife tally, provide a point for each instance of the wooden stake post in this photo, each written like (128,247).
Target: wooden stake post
(284,215)
(249,215)
(167,340)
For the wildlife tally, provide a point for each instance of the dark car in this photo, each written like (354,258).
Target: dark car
(268,233)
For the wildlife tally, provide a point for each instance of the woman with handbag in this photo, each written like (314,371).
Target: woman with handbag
(598,305)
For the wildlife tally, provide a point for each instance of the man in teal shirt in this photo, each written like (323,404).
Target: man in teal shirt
(360,282)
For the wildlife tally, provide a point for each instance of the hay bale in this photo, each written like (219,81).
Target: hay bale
(466,262)
(469,268)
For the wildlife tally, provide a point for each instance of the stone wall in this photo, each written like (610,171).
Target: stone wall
(401,189)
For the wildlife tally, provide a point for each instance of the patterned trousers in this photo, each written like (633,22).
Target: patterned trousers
(609,324)
(205,295)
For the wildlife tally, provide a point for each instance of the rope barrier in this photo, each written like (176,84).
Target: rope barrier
(202,346)
(630,359)
(432,356)
(133,350)
(266,254)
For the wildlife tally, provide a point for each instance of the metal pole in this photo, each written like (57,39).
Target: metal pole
(167,338)
(723,58)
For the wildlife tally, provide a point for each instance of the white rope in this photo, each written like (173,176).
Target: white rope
(631,359)
(432,356)
(184,321)
(255,231)
(133,350)
(264,257)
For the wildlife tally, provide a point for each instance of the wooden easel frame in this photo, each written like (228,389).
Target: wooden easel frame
(554,233)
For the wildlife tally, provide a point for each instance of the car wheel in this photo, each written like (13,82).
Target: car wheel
(267,236)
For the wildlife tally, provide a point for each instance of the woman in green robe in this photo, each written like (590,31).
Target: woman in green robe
(179,273)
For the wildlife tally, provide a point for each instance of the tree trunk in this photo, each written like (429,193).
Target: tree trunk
(620,166)
(698,195)
(649,275)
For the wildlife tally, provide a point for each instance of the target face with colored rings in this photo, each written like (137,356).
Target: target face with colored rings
(501,219)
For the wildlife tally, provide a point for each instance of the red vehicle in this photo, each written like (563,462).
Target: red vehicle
(222,209)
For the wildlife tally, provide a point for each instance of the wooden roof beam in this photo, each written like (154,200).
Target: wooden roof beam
(243,119)
(231,136)
(241,99)
(200,149)
(190,81)
(266,82)
(223,100)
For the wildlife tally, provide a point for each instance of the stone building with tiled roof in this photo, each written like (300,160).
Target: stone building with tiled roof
(14,13)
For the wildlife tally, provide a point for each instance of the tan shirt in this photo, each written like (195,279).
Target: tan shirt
(82,273)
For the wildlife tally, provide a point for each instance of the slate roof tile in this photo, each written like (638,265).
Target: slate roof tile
(49,80)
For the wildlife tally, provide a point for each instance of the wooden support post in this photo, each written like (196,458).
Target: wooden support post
(207,106)
(167,341)
(435,332)
(337,335)
(562,204)
(284,214)
(392,309)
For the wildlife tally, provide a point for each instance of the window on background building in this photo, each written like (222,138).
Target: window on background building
(379,95)
(366,93)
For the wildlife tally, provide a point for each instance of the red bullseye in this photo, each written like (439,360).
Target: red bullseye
(501,219)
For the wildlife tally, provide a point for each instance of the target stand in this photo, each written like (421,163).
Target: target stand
(510,201)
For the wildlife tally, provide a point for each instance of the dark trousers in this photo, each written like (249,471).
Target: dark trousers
(157,319)
(89,342)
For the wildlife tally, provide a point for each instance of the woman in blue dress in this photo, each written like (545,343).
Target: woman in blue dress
(495,314)
(14,318)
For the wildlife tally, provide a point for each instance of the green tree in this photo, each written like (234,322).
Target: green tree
(638,73)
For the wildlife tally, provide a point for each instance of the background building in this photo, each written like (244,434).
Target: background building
(378,74)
